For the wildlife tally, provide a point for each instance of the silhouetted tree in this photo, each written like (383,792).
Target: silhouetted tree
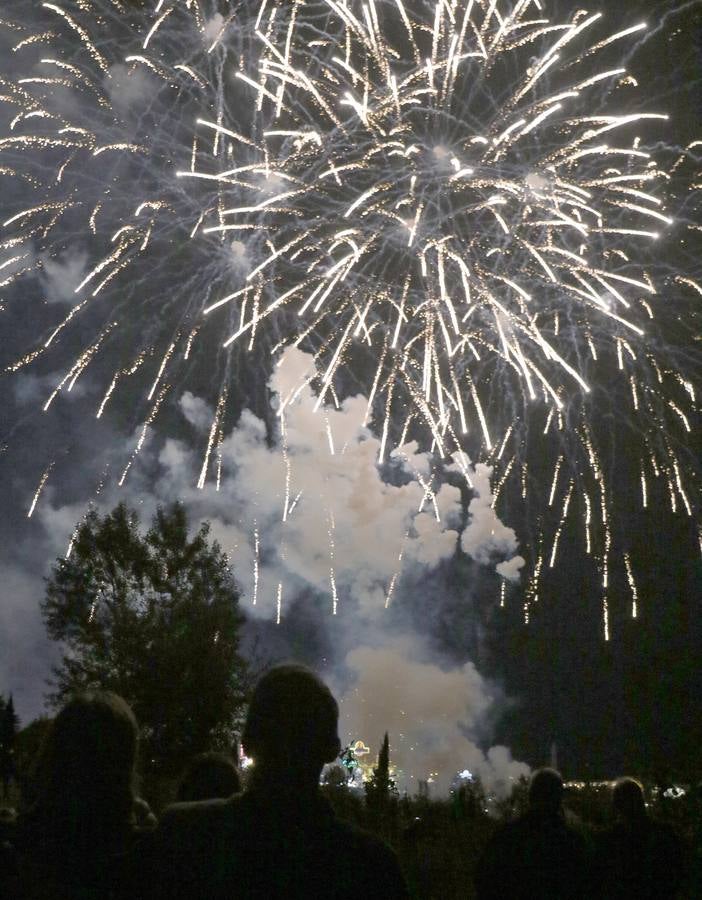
(156,619)
(380,787)
(469,800)
(9,726)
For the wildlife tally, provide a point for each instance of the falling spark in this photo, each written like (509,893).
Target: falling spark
(555,481)
(257,563)
(40,488)
(71,542)
(214,430)
(144,431)
(396,573)
(632,586)
(564,514)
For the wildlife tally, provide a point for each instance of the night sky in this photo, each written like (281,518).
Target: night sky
(633,703)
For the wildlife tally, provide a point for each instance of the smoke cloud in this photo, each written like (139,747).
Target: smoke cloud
(434,716)
(485,536)
(310,514)
(214,28)
(128,87)
(61,276)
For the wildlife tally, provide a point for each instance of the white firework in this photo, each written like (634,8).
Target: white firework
(454,204)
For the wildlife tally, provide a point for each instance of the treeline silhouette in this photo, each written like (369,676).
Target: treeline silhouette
(83,831)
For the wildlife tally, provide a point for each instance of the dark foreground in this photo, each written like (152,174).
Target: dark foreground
(440,842)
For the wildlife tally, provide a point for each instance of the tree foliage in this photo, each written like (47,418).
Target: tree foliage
(154,617)
(336,776)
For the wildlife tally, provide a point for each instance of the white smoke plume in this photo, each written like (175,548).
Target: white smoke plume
(324,517)
(128,88)
(434,717)
(61,276)
(214,29)
(485,536)
(311,512)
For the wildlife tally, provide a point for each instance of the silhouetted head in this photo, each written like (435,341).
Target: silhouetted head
(89,758)
(546,790)
(292,725)
(208,777)
(628,800)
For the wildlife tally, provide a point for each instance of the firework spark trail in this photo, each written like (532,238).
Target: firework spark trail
(73,139)
(215,430)
(40,487)
(450,199)
(397,572)
(144,431)
(332,577)
(559,530)
(632,586)
(257,563)
(91,506)
(559,218)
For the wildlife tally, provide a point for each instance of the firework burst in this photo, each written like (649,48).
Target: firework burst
(460,193)
(455,204)
(94,131)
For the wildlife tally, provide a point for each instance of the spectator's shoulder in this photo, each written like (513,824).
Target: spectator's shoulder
(192,824)
(190,838)
(202,815)
(373,857)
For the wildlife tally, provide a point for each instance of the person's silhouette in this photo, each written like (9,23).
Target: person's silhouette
(280,838)
(638,857)
(76,839)
(208,777)
(538,856)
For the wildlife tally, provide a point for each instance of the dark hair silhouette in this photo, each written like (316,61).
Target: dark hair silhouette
(208,777)
(628,800)
(75,839)
(292,723)
(540,854)
(87,768)
(638,857)
(546,789)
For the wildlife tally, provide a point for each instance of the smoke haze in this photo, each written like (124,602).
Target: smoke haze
(310,517)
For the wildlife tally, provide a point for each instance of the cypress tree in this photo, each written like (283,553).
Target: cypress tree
(9,726)
(381,787)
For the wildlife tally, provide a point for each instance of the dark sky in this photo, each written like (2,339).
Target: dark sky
(632,703)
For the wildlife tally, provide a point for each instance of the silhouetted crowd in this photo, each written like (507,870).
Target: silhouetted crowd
(87,835)
(541,854)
